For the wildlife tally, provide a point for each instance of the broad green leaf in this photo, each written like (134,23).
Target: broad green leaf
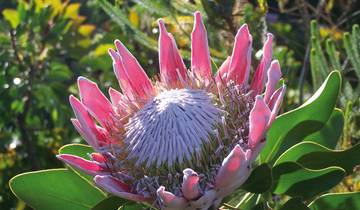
(315,156)
(80,150)
(330,134)
(110,203)
(346,159)
(291,127)
(55,189)
(260,179)
(294,204)
(294,180)
(12,16)
(337,201)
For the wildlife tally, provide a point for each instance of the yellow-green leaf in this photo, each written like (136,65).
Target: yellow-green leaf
(134,18)
(12,16)
(72,11)
(86,29)
(102,49)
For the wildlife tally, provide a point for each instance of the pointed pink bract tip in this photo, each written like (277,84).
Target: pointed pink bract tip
(119,46)
(245,28)
(71,98)
(85,82)
(114,55)
(162,27)
(74,102)
(197,16)
(116,42)
(244,31)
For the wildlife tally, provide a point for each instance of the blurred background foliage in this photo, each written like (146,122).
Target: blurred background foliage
(46,44)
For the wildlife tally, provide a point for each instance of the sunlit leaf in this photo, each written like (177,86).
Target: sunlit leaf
(72,10)
(292,179)
(102,49)
(80,150)
(86,29)
(314,156)
(133,18)
(85,43)
(291,127)
(12,16)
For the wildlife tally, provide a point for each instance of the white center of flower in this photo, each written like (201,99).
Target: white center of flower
(172,127)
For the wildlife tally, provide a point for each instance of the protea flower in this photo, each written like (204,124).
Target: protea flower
(186,139)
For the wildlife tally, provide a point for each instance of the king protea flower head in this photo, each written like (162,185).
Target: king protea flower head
(187,139)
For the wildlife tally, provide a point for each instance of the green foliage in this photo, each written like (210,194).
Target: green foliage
(55,188)
(315,156)
(321,66)
(330,133)
(45,45)
(41,46)
(260,179)
(339,201)
(291,127)
(295,180)
(295,204)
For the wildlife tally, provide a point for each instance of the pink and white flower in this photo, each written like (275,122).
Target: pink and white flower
(187,139)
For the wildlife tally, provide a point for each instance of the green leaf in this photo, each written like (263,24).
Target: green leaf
(260,179)
(346,159)
(330,134)
(59,72)
(321,68)
(57,189)
(12,16)
(80,150)
(352,53)
(294,180)
(294,204)
(337,201)
(291,127)
(110,203)
(314,156)
(333,54)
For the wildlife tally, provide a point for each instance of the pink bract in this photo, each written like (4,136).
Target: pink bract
(184,141)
